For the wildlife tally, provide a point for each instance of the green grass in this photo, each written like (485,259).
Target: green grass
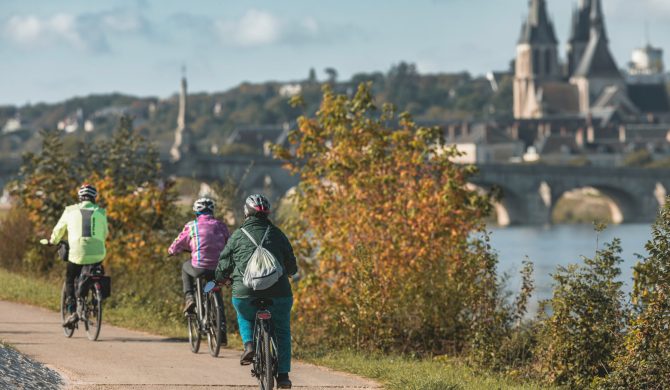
(397,373)
(393,372)
(46,293)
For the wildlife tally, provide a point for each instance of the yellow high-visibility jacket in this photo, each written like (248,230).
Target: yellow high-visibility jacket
(86,226)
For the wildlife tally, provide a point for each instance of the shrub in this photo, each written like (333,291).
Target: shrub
(643,362)
(505,341)
(578,339)
(385,232)
(15,233)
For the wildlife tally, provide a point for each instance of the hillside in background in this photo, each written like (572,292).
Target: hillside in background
(213,116)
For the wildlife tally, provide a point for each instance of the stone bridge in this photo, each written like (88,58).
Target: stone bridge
(529,192)
(258,174)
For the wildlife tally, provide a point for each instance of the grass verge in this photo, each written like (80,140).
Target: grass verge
(45,293)
(393,372)
(400,373)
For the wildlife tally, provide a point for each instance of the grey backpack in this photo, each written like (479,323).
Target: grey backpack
(263,269)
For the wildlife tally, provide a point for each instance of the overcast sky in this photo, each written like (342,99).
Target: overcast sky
(53,50)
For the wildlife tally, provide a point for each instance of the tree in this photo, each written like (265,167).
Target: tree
(332,75)
(578,340)
(643,362)
(384,231)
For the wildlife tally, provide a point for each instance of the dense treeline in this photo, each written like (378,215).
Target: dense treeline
(214,115)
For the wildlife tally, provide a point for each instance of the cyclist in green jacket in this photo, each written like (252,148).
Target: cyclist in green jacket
(232,264)
(86,226)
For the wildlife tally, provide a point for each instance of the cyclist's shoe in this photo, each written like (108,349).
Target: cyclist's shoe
(189,304)
(248,354)
(283,382)
(71,305)
(71,320)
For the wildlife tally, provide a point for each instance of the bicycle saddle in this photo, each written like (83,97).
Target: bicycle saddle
(262,303)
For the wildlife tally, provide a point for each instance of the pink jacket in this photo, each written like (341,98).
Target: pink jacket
(205,238)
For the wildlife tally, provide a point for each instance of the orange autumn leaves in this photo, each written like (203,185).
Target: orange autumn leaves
(384,226)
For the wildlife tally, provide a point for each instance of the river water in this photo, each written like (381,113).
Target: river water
(548,247)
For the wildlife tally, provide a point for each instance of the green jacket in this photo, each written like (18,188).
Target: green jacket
(235,256)
(86,226)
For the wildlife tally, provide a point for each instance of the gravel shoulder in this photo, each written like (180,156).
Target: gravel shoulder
(124,359)
(20,372)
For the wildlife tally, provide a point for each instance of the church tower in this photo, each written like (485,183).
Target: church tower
(183,138)
(579,35)
(536,61)
(597,69)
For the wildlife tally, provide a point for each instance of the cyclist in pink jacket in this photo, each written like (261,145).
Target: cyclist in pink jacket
(205,237)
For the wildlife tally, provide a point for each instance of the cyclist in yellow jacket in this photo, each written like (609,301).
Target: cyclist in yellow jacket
(86,226)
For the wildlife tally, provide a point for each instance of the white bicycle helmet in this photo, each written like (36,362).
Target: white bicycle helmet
(87,192)
(256,204)
(204,205)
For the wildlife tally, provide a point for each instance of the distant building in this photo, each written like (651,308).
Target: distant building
(590,84)
(72,122)
(13,124)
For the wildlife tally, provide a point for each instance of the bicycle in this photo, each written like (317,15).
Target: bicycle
(207,318)
(265,360)
(92,287)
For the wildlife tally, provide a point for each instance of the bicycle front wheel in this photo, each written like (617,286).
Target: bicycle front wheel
(64,313)
(267,377)
(215,323)
(193,332)
(93,304)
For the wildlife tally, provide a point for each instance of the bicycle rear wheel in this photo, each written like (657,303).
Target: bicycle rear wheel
(93,304)
(215,323)
(193,332)
(64,313)
(266,374)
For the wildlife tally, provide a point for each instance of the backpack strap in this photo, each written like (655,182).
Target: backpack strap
(252,239)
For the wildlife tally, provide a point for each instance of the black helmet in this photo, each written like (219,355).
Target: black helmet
(87,192)
(256,204)
(204,205)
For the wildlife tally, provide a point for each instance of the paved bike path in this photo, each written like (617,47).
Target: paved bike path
(125,359)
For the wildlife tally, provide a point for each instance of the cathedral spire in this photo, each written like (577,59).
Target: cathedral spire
(183,137)
(183,109)
(598,20)
(538,28)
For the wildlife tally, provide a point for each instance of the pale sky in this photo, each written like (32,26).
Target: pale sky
(54,50)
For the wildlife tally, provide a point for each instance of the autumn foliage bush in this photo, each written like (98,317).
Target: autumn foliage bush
(386,232)
(140,207)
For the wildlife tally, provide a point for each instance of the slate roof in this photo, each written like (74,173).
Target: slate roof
(557,144)
(597,60)
(560,98)
(649,97)
(483,134)
(538,28)
(580,30)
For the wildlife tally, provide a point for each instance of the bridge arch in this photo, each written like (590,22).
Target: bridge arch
(623,206)
(509,209)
